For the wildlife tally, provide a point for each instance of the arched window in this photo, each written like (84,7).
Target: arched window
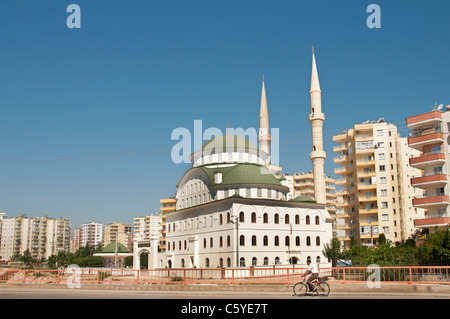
(277,241)
(228,218)
(286,219)
(317,220)
(185,245)
(287,241)
(204,242)
(242,262)
(221,262)
(266,261)
(307,220)
(297,241)
(297,219)
(220,219)
(211,242)
(179,245)
(241,217)
(266,241)
(169,229)
(242,240)
(228,262)
(253,240)
(276,219)
(317,241)
(254,261)
(253,217)
(228,241)
(318,259)
(277,260)
(207,262)
(308,258)
(308,241)
(173,226)
(265,218)
(221,241)
(182,263)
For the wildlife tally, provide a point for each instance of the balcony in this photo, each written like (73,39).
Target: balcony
(362,186)
(431,222)
(430,118)
(427,159)
(368,211)
(431,201)
(367,199)
(430,135)
(341,159)
(435,180)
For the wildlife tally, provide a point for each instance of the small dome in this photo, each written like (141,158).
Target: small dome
(111,248)
(303,199)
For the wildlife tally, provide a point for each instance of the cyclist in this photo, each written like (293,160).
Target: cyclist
(314,271)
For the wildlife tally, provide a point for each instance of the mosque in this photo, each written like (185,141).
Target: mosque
(232,211)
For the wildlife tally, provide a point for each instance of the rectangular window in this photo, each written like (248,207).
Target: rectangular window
(384,192)
(384,204)
(386,229)
(382,168)
(379,132)
(385,217)
(381,156)
(383,180)
(436,149)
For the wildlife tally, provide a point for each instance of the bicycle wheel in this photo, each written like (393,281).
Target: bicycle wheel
(323,289)
(300,289)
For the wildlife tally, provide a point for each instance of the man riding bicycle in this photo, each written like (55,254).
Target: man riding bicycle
(314,271)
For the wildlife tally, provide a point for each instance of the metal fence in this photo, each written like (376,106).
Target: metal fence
(253,275)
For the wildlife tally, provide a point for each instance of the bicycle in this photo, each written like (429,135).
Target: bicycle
(322,288)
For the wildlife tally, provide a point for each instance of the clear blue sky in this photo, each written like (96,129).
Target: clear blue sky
(87,114)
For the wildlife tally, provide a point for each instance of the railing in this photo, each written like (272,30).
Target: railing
(253,275)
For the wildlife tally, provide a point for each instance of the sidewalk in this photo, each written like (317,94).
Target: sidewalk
(335,287)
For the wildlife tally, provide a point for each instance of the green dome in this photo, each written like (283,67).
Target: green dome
(242,174)
(303,199)
(111,248)
(234,142)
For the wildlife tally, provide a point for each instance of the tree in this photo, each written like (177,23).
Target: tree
(435,250)
(332,250)
(381,240)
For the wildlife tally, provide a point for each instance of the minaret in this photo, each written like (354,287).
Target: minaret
(316,118)
(264,137)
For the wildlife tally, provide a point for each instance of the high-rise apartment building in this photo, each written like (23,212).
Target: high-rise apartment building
(168,205)
(119,232)
(43,237)
(91,234)
(375,186)
(146,226)
(430,137)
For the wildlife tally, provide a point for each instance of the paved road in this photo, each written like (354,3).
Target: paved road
(38,293)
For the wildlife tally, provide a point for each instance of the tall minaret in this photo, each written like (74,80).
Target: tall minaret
(264,137)
(316,118)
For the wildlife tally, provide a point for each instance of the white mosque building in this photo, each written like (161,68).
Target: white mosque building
(231,210)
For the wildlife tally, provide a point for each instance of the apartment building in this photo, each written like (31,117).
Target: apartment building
(43,237)
(430,137)
(168,205)
(303,184)
(119,232)
(375,185)
(146,226)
